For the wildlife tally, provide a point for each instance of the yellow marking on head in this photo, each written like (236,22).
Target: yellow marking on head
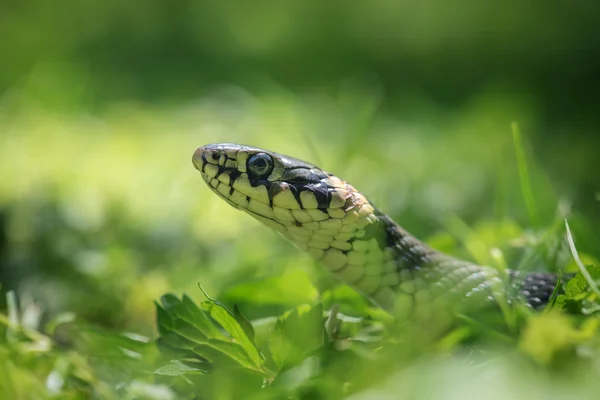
(232,153)
(285,199)
(211,170)
(241,158)
(225,178)
(308,199)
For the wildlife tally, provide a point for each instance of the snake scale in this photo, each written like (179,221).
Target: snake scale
(338,226)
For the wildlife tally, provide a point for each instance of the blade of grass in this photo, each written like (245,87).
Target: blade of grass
(582,267)
(526,190)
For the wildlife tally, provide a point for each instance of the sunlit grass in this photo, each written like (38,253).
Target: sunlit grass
(104,214)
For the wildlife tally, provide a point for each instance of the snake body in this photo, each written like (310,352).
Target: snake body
(338,226)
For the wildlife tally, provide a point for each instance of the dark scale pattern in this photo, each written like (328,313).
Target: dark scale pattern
(536,288)
(449,276)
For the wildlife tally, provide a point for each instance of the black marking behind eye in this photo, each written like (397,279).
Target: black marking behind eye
(306,178)
(233,175)
(296,192)
(220,170)
(204,162)
(321,194)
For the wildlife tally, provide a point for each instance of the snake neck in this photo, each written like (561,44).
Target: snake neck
(394,269)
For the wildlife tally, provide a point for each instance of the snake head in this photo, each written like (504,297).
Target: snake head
(275,186)
(315,210)
(289,195)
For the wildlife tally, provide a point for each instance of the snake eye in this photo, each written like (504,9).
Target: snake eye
(260,165)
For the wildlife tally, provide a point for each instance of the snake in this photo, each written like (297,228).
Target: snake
(356,242)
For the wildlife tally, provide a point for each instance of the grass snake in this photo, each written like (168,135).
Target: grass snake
(338,226)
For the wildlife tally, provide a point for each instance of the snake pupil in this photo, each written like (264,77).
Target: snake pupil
(260,165)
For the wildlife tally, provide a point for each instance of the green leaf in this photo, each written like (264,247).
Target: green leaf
(176,368)
(297,335)
(244,322)
(222,316)
(577,292)
(209,333)
(546,335)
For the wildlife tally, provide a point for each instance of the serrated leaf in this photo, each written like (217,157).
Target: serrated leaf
(578,285)
(297,335)
(199,318)
(224,318)
(209,332)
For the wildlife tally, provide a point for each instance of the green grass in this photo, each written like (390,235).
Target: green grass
(108,231)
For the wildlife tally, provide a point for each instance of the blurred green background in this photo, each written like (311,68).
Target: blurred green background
(103,102)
